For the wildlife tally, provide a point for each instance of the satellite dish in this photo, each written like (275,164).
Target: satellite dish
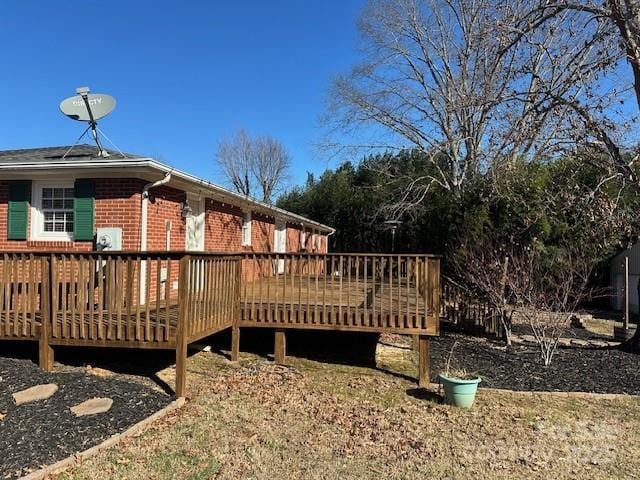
(89,107)
(75,107)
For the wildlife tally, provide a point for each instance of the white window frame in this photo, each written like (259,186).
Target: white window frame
(199,222)
(247,220)
(303,239)
(37,215)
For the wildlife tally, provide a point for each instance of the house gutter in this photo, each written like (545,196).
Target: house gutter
(148,162)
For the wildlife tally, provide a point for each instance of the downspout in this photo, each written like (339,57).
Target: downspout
(144,205)
(333,230)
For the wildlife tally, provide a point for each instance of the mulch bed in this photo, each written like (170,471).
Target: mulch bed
(573,369)
(41,433)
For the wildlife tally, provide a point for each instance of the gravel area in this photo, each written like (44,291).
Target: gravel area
(41,433)
(573,369)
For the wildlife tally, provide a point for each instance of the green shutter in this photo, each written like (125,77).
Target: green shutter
(83,205)
(18,210)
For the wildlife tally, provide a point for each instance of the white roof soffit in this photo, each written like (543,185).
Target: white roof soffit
(219,193)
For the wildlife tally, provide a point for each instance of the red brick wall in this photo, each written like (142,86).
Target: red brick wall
(262,233)
(223,227)
(294,240)
(118,205)
(165,204)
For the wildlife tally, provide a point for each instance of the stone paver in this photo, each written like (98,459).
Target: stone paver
(98,372)
(92,406)
(35,394)
(566,342)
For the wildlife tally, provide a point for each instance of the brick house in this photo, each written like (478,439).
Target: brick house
(56,199)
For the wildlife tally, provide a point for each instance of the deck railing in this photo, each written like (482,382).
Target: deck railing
(468,312)
(170,299)
(362,292)
(20,294)
(123,299)
(113,298)
(212,297)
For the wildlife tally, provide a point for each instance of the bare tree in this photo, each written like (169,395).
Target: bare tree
(485,267)
(546,294)
(623,17)
(235,157)
(253,165)
(458,82)
(269,166)
(517,273)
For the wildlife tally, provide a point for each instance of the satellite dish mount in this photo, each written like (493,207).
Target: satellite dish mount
(93,124)
(89,107)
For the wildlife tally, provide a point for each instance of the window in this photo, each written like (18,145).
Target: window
(57,209)
(246,229)
(53,212)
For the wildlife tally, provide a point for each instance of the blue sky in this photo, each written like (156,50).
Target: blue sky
(185,73)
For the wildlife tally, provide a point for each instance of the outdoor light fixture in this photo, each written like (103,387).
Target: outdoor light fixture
(393,226)
(186,209)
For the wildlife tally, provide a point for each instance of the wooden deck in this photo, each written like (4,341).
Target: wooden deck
(330,303)
(170,299)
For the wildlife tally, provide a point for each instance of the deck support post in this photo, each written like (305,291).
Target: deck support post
(280,347)
(182,333)
(423,361)
(181,369)
(45,352)
(45,355)
(235,326)
(235,343)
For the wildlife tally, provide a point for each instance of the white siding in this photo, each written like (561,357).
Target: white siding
(616,268)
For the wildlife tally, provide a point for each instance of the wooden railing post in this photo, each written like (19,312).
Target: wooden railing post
(45,352)
(183,331)
(436,299)
(235,329)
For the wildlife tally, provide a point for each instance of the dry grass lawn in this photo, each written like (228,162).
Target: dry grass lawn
(313,420)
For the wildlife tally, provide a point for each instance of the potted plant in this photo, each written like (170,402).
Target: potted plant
(459,385)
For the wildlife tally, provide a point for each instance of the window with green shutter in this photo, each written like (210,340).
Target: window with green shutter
(83,209)
(18,210)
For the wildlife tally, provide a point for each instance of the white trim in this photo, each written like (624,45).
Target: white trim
(303,239)
(280,236)
(37,221)
(247,221)
(280,242)
(200,220)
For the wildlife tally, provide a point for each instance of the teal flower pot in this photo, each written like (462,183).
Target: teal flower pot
(458,392)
